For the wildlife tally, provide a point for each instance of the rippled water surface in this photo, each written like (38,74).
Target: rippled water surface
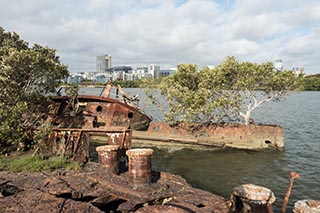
(220,171)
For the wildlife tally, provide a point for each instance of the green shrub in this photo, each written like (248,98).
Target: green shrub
(27,75)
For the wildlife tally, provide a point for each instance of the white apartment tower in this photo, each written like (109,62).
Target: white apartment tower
(154,70)
(278,65)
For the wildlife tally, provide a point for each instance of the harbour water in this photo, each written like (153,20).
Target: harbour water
(220,171)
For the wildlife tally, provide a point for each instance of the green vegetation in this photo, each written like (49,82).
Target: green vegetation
(246,78)
(26,75)
(36,163)
(311,83)
(128,84)
(225,93)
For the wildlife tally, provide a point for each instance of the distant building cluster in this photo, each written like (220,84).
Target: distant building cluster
(105,72)
(298,70)
(278,66)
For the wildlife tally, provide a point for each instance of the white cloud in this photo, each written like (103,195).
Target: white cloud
(169,32)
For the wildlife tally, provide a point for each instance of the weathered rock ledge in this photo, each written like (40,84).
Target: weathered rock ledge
(93,189)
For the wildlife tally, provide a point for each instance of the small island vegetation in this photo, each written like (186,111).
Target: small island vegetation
(310,83)
(226,93)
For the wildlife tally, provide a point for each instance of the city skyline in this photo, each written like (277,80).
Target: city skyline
(167,33)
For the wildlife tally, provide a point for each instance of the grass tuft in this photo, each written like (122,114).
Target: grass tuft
(35,163)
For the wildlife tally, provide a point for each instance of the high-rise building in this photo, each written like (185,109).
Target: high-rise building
(103,63)
(154,70)
(278,65)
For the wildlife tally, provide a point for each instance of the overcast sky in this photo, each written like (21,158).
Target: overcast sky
(170,32)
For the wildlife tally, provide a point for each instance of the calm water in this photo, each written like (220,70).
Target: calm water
(220,171)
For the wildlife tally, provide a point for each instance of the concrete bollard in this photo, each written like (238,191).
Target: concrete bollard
(139,166)
(108,157)
(307,206)
(252,198)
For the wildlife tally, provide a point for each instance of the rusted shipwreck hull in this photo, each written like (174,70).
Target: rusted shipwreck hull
(75,119)
(85,111)
(212,137)
(100,114)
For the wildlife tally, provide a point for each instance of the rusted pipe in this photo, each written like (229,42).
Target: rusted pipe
(108,157)
(293,175)
(139,166)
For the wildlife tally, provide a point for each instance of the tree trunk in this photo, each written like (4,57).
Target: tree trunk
(246,117)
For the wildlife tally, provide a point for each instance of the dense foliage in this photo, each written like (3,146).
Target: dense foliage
(255,84)
(311,83)
(225,93)
(26,75)
(127,84)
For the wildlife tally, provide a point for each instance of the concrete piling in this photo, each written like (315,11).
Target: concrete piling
(108,157)
(252,198)
(139,166)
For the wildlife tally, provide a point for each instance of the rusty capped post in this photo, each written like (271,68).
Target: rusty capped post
(252,198)
(139,166)
(310,206)
(108,157)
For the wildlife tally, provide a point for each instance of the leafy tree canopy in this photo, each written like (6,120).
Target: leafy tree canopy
(256,84)
(26,75)
(227,92)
